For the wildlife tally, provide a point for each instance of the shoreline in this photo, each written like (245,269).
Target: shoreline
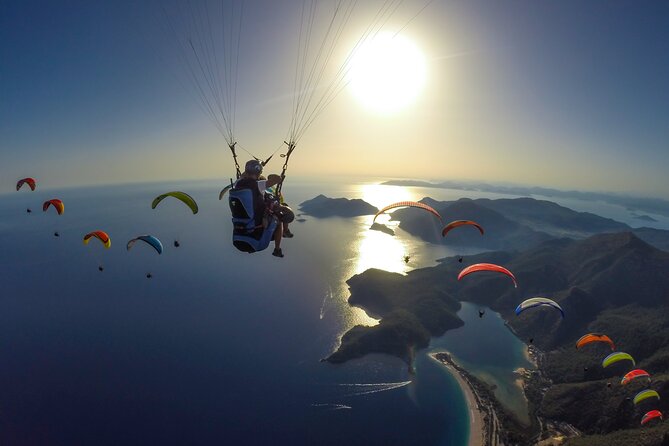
(478,416)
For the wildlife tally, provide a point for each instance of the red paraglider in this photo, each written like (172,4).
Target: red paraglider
(29,181)
(487,267)
(651,416)
(634,374)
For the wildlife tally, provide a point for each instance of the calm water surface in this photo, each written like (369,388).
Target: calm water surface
(219,346)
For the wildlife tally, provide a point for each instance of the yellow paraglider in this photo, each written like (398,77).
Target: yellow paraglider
(181,196)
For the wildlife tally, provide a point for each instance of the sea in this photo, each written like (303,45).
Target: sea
(220,346)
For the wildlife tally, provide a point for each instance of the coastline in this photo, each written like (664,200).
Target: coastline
(477,416)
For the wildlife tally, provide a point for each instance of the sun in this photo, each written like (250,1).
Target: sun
(387,73)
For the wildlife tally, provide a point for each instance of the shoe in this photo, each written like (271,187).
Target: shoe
(287,234)
(277,252)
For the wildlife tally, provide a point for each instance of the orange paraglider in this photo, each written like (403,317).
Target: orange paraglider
(56,203)
(100,235)
(594,337)
(413,204)
(457,223)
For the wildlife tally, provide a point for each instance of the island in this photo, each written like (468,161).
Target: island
(323,207)
(646,218)
(510,224)
(382,228)
(657,206)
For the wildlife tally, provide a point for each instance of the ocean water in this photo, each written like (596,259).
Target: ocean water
(218,346)
(488,350)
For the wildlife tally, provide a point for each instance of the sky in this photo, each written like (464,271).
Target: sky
(568,94)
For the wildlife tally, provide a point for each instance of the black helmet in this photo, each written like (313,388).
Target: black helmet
(253,167)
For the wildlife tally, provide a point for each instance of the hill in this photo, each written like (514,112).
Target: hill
(613,283)
(322,207)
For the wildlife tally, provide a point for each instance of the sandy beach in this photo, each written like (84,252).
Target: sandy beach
(476,424)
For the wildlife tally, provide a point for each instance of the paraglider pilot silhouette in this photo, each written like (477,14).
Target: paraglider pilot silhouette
(257,216)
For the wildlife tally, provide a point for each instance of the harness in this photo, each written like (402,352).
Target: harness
(252,231)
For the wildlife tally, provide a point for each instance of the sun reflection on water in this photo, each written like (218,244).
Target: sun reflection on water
(375,249)
(381,251)
(380,195)
(367,248)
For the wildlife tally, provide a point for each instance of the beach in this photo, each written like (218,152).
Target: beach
(476,416)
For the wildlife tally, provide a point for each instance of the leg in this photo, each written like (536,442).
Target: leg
(278,233)
(286,231)
(285,215)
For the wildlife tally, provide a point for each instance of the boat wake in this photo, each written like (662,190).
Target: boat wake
(370,388)
(332,406)
(326,298)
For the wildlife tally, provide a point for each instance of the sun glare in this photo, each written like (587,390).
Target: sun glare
(376,249)
(381,195)
(387,73)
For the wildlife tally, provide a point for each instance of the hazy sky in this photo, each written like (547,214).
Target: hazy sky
(566,94)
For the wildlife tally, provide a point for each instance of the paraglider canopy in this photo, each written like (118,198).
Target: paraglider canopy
(223,192)
(594,337)
(457,223)
(56,203)
(181,196)
(634,374)
(148,239)
(29,181)
(100,235)
(617,356)
(653,414)
(487,267)
(645,394)
(403,204)
(537,302)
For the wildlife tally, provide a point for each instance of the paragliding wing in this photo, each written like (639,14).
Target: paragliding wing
(634,374)
(100,235)
(403,204)
(224,191)
(182,196)
(456,223)
(537,302)
(594,337)
(487,267)
(56,203)
(149,239)
(617,356)
(645,394)
(650,416)
(29,181)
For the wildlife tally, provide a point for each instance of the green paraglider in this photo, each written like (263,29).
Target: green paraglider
(645,394)
(617,356)
(181,196)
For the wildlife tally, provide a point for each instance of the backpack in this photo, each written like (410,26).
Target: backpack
(248,209)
